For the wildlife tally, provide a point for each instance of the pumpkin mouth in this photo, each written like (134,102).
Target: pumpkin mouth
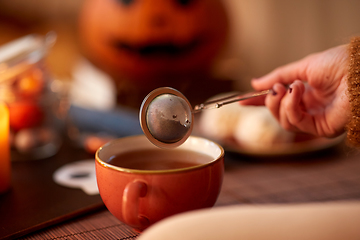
(158,49)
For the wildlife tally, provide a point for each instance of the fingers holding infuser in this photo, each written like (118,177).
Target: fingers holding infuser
(273,100)
(294,117)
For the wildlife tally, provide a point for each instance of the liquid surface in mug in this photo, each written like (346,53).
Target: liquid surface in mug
(159,159)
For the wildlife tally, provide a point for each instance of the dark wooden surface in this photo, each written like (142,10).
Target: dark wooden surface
(35,201)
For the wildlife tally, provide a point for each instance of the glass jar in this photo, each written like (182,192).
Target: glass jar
(36,116)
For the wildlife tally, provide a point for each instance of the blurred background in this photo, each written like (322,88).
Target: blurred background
(270,33)
(114,52)
(263,33)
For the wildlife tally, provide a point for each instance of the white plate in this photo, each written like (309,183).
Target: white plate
(292,148)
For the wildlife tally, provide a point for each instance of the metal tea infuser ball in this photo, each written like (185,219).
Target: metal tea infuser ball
(166,116)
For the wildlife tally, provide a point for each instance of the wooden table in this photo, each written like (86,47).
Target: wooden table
(329,175)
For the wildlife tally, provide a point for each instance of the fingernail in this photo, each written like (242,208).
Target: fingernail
(290,89)
(273,92)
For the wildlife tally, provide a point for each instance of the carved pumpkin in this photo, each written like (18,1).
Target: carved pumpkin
(153,41)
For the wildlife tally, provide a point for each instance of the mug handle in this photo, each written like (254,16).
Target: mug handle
(130,204)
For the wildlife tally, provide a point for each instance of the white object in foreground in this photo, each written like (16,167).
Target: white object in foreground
(320,221)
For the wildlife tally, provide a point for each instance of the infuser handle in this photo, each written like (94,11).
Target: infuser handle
(217,103)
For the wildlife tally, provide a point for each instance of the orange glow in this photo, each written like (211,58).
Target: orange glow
(5,166)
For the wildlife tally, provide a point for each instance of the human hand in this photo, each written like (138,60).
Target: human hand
(316,101)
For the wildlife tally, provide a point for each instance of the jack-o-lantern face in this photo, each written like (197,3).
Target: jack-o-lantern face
(145,39)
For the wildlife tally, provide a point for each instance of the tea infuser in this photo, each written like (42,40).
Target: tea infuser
(166,116)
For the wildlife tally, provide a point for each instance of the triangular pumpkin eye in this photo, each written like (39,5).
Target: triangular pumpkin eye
(184,2)
(126,2)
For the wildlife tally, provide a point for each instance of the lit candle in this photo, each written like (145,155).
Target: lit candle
(5,165)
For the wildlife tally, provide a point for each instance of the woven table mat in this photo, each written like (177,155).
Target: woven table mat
(332,175)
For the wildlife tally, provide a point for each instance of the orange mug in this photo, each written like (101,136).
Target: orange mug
(142,195)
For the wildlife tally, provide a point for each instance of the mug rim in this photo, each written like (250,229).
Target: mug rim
(139,171)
